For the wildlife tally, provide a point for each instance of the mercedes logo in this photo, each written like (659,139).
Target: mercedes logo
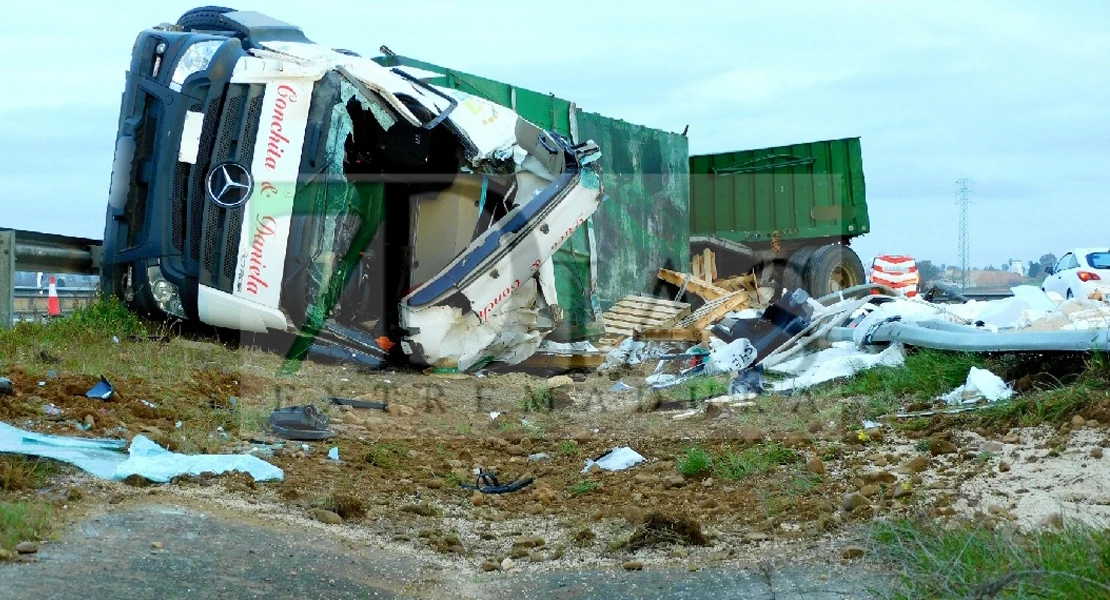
(229,184)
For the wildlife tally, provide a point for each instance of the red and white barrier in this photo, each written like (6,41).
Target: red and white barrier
(896,272)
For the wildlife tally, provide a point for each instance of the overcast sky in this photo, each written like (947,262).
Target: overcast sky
(1013,94)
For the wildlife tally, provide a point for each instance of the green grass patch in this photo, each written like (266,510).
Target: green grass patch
(386,455)
(1043,407)
(22,522)
(570,448)
(583,487)
(92,324)
(754,460)
(700,388)
(694,462)
(974,562)
(536,400)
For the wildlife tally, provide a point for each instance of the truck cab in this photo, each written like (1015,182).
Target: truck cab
(263,182)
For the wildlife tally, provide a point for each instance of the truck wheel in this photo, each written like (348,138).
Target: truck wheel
(204,18)
(796,266)
(831,269)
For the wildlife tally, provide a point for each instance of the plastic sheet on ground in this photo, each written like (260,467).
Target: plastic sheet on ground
(981,385)
(632,352)
(572,347)
(841,360)
(618,459)
(104,458)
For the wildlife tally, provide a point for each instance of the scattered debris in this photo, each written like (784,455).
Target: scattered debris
(539,457)
(300,423)
(617,459)
(51,410)
(6,388)
(101,391)
(359,403)
(333,454)
(620,386)
(487,483)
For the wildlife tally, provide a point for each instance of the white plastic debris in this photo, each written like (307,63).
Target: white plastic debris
(178,425)
(617,459)
(842,360)
(867,424)
(573,347)
(539,457)
(105,459)
(687,414)
(51,410)
(620,386)
(333,454)
(981,385)
(493,414)
(632,352)
(660,378)
(149,403)
(737,355)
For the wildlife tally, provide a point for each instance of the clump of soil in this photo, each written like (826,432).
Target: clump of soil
(348,506)
(659,529)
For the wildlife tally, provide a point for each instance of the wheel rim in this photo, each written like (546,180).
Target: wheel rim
(842,278)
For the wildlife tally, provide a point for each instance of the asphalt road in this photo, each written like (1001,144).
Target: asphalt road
(206,556)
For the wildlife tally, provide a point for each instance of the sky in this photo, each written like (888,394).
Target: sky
(1012,94)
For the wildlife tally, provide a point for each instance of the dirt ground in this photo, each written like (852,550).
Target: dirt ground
(399,472)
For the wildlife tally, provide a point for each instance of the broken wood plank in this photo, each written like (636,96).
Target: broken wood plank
(708,266)
(652,301)
(715,310)
(696,269)
(695,286)
(558,360)
(671,334)
(632,313)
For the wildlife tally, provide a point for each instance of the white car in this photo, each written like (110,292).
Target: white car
(1080,273)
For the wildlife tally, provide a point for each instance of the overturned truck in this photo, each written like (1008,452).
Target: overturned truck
(266,183)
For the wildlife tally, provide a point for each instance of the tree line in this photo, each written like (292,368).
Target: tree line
(930,271)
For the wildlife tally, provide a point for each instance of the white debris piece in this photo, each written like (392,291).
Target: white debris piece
(617,459)
(840,361)
(632,352)
(737,355)
(981,385)
(573,347)
(660,378)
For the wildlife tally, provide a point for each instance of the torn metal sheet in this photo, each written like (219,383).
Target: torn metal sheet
(105,459)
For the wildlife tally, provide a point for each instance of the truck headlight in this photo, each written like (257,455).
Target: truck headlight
(196,58)
(166,294)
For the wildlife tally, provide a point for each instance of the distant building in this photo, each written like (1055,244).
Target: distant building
(1017,268)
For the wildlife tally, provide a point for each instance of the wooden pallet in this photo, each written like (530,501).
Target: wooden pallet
(633,313)
(713,311)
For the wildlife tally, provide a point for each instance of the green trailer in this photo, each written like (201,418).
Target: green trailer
(788,213)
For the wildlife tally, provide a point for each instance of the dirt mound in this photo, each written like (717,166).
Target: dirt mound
(660,529)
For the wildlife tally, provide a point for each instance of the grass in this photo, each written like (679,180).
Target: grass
(975,562)
(701,388)
(735,465)
(583,487)
(926,375)
(570,448)
(23,521)
(537,400)
(387,456)
(752,461)
(18,473)
(695,462)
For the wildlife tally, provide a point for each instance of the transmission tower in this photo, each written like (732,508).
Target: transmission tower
(963,200)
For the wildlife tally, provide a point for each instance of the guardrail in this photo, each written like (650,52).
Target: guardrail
(34,251)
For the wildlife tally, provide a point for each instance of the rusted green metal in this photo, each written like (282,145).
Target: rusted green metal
(803,191)
(644,223)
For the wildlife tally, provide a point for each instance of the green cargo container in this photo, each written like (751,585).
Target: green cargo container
(642,226)
(792,208)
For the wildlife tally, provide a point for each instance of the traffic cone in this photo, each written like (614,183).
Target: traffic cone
(53,307)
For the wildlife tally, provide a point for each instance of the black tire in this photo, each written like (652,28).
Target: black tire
(833,268)
(793,276)
(204,18)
